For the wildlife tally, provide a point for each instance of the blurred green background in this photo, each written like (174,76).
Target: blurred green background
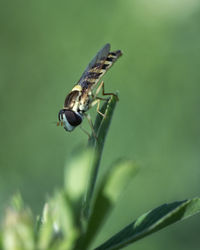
(44,48)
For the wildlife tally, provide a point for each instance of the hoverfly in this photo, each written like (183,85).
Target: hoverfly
(82,98)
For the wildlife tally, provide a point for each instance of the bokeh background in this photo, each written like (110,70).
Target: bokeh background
(44,48)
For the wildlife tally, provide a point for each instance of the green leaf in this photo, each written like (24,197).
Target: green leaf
(117,178)
(77,175)
(97,124)
(18,228)
(17,203)
(45,229)
(59,228)
(101,128)
(111,187)
(64,216)
(151,222)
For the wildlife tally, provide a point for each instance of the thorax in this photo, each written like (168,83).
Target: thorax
(78,99)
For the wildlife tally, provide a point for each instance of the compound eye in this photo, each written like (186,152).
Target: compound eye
(60,115)
(73,118)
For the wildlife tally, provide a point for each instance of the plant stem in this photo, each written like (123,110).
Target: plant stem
(101,127)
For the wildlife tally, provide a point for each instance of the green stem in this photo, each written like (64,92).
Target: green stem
(101,127)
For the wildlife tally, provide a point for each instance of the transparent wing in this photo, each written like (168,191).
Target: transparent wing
(93,69)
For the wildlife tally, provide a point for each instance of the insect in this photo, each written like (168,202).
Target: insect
(82,96)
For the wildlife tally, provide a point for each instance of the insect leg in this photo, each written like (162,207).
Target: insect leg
(97,102)
(91,124)
(85,131)
(103,91)
(98,89)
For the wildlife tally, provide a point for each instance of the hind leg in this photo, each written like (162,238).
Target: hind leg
(103,91)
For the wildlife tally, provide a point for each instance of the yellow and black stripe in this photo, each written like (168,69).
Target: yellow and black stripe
(98,67)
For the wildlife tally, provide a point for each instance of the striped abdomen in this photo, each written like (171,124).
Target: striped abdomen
(94,74)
